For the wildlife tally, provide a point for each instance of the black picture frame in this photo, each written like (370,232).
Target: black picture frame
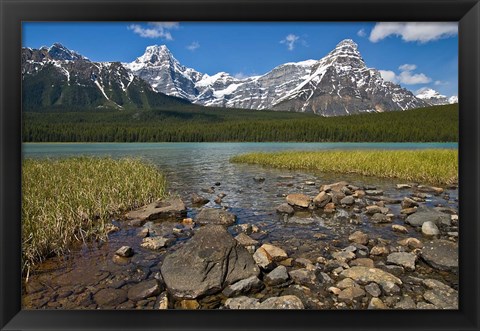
(13,12)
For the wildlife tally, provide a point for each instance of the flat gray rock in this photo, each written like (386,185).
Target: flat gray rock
(171,208)
(215,216)
(441,254)
(424,214)
(403,259)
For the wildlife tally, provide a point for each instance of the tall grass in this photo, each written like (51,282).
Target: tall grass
(73,199)
(423,166)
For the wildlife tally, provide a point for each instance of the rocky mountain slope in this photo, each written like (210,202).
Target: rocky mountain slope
(58,78)
(338,84)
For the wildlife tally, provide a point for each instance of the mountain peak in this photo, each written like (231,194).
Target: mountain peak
(59,52)
(156,54)
(347,43)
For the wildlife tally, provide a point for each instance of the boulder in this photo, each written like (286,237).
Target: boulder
(348,200)
(441,295)
(198,199)
(300,200)
(283,302)
(322,199)
(285,208)
(215,216)
(144,290)
(276,253)
(277,276)
(206,264)
(251,284)
(430,229)
(364,275)
(425,214)
(359,238)
(406,260)
(441,255)
(263,259)
(303,276)
(168,209)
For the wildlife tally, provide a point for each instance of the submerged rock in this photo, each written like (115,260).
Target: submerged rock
(215,216)
(206,264)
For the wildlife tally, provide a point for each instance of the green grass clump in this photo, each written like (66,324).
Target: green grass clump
(73,199)
(423,166)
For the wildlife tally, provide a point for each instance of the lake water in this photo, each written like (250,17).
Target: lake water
(193,167)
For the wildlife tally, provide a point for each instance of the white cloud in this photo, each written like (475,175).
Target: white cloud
(362,33)
(406,75)
(242,75)
(388,75)
(414,31)
(407,67)
(290,41)
(193,46)
(154,30)
(440,82)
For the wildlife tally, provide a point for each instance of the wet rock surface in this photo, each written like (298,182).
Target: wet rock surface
(353,246)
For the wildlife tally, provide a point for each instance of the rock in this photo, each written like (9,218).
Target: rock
(343,256)
(209,190)
(408,211)
(300,200)
(364,275)
(403,186)
(198,199)
(337,197)
(324,278)
(136,223)
(244,240)
(390,288)
(406,303)
(162,301)
(187,305)
(283,302)
(430,189)
(409,203)
(373,192)
(395,270)
(384,199)
(171,208)
(346,283)
(399,228)
(379,250)
(363,262)
(259,179)
(156,243)
(373,209)
(380,218)
(242,302)
(303,263)
(424,305)
(144,290)
(351,293)
(310,183)
(441,295)
(424,214)
(329,208)
(110,297)
(251,284)
(341,215)
(336,187)
(348,200)
(322,199)
(412,243)
(276,253)
(441,255)
(285,208)
(359,238)
(303,276)
(124,251)
(373,289)
(360,194)
(430,229)
(215,216)
(406,260)
(334,290)
(263,259)
(376,303)
(206,264)
(277,276)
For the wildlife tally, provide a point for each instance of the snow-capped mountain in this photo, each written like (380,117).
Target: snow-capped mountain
(58,77)
(434,98)
(338,84)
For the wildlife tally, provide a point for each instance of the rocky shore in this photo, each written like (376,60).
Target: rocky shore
(159,258)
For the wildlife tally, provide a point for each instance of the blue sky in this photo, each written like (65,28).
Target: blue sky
(415,55)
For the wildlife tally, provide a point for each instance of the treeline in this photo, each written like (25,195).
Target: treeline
(439,123)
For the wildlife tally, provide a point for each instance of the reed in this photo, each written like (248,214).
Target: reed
(74,199)
(423,166)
